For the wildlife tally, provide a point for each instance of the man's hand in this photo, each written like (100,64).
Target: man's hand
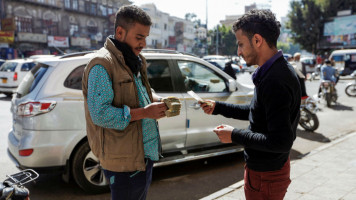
(208,106)
(224,133)
(155,110)
(173,105)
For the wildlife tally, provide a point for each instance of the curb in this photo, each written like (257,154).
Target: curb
(240,184)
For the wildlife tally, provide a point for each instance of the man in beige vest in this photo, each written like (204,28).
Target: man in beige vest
(120,109)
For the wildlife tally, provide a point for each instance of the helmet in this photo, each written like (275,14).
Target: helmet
(327,61)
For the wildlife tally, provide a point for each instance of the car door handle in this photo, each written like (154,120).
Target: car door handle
(195,106)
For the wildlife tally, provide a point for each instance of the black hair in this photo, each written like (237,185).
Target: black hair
(127,16)
(261,22)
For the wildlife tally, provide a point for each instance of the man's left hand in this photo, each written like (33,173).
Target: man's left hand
(224,133)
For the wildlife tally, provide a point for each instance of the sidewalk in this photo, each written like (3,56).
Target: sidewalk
(328,172)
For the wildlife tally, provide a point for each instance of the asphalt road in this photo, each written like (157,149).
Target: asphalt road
(197,179)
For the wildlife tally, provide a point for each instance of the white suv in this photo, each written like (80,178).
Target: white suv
(48,132)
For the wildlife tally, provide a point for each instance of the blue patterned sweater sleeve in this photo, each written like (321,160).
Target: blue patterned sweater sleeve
(100,98)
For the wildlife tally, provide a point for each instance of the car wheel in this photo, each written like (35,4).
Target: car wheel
(87,171)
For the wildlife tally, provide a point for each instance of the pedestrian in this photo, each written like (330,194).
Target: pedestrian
(297,65)
(120,109)
(273,112)
(229,70)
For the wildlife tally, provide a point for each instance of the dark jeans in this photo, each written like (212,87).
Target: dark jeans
(130,185)
(271,185)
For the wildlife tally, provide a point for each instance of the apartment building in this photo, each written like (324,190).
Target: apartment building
(31,27)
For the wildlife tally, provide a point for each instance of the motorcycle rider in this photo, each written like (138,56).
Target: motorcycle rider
(327,72)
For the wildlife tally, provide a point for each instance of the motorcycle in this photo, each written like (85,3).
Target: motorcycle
(13,187)
(308,118)
(316,73)
(328,92)
(350,89)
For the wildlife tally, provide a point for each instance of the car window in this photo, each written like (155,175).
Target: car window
(338,58)
(159,75)
(8,67)
(200,78)
(74,79)
(31,80)
(27,66)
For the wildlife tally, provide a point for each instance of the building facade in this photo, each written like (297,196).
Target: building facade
(168,32)
(30,27)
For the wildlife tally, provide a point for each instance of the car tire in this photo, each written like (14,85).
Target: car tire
(87,171)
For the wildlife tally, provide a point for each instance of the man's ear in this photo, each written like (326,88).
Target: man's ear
(257,40)
(119,33)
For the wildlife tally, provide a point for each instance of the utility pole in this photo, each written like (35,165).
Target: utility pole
(217,40)
(206,15)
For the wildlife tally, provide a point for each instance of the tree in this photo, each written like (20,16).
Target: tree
(193,18)
(306,22)
(307,19)
(226,41)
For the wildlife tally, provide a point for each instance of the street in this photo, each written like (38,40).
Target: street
(197,179)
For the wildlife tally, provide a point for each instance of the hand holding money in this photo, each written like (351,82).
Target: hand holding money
(173,105)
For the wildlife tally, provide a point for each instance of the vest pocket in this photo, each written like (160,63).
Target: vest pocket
(119,144)
(125,93)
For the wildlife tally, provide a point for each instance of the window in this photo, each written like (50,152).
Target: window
(159,75)
(87,7)
(73,29)
(75,4)
(103,10)
(93,9)
(74,80)
(67,3)
(23,24)
(31,80)
(8,67)
(27,66)
(200,78)
(51,27)
(110,11)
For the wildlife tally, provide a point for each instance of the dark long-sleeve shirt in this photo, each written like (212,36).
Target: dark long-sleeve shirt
(273,115)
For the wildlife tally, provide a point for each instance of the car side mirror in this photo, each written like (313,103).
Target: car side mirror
(232,85)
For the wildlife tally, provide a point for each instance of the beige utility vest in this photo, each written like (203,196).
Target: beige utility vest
(119,151)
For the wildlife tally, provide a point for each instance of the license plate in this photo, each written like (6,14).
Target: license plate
(4,80)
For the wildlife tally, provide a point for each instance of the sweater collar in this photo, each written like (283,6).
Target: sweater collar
(261,71)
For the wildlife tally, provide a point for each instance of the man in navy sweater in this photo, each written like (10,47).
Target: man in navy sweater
(273,112)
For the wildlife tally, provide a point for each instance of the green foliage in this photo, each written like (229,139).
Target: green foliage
(307,18)
(306,23)
(283,46)
(227,41)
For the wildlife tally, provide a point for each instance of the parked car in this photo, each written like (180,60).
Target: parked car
(344,61)
(11,74)
(49,132)
(214,57)
(247,68)
(221,65)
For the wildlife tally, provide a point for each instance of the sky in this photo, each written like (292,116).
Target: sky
(217,9)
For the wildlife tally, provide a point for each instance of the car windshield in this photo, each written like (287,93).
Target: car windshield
(31,80)
(8,67)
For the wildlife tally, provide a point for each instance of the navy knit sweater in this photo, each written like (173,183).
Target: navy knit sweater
(273,115)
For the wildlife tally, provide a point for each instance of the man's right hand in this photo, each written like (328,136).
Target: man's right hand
(208,106)
(155,110)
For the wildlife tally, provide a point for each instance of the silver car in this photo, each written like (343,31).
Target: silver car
(48,132)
